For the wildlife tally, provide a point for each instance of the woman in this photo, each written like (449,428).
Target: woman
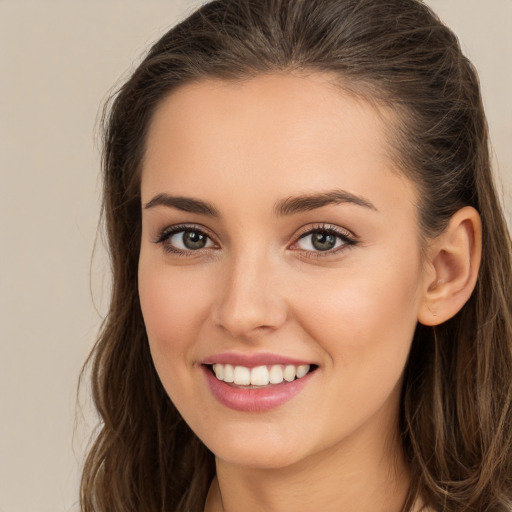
(312,274)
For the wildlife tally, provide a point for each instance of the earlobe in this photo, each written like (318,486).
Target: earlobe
(453,262)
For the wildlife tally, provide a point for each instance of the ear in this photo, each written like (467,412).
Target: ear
(451,268)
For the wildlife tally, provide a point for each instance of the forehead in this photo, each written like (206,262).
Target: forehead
(280,134)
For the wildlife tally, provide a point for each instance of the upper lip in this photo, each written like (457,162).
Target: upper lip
(252,360)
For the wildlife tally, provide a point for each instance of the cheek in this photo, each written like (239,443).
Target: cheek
(366,313)
(173,307)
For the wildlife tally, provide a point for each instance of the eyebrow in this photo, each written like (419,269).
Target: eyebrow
(308,202)
(285,207)
(185,204)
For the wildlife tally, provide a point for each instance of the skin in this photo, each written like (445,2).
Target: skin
(243,147)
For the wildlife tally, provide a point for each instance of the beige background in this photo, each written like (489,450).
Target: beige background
(59,59)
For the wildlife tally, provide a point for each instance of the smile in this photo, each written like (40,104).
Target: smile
(256,388)
(259,375)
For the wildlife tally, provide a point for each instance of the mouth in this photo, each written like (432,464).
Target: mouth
(256,382)
(263,376)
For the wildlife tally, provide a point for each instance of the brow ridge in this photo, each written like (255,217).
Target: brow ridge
(186,204)
(298,204)
(285,207)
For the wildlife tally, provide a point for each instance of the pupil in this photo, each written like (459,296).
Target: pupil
(193,240)
(323,241)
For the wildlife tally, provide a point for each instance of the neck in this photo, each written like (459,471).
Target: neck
(366,474)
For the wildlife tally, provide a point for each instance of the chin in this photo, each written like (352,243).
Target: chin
(259,459)
(268,451)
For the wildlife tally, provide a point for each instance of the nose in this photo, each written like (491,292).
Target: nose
(250,301)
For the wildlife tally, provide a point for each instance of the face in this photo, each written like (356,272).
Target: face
(280,250)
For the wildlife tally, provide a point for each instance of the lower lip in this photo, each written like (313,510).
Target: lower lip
(254,399)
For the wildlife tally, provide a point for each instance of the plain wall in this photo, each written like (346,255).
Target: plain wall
(59,60)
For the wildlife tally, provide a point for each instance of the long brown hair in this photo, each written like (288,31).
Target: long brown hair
(456,412)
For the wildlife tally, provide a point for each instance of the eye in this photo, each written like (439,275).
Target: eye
(184,239)
(319,241)
(189,240)
(324,239)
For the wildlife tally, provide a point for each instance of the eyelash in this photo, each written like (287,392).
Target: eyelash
(347,239)
(165,236)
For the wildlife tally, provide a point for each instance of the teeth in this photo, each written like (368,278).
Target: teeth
(289,373)
(229,373)
(276,374)
(302,370)
(242,376)
(259,375)
(219,371)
